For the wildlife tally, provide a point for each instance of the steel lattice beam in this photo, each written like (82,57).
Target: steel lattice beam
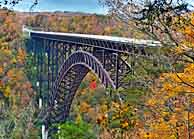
(63,61)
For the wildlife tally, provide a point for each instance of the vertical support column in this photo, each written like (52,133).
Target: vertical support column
(40,103)
(155,60)
(41,59)
(35,60)
(56,59)
(69,50)
(48,66)
(117,76)
(34,51)
(44,71)
(133,59)
(117,71)
(37,70)
(32,43)
(52,66)
(44,132)
(64,52)
(103,58)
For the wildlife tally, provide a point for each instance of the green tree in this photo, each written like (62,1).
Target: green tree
(72,130)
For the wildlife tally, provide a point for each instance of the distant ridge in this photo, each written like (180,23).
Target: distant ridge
(62,13)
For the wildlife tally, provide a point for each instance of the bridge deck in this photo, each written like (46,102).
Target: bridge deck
(99,37)
(119,44)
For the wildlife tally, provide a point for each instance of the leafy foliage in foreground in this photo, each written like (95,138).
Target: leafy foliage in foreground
(166,108)
(16,93)
(72,130)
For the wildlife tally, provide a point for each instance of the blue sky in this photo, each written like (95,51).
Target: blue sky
(89,6)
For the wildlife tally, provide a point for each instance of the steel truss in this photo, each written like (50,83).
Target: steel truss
(61,63)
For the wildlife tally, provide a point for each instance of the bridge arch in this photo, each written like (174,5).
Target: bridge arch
(71,73)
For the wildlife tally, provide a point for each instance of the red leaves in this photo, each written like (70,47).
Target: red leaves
(93,85)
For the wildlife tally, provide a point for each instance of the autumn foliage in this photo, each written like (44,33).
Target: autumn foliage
(164,111)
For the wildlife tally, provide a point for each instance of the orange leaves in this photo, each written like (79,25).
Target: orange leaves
(102,119)
(189,31)
(21,56)
(11,74)
(107,30)
(1,70)
(84,107)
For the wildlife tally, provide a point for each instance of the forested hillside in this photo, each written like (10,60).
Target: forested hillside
(157,104)
(88,24)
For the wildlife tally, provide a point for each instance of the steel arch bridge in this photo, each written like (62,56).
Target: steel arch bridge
(62,60)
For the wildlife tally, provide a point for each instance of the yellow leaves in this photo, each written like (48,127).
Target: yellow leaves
(104,108)
(13,61)
(149,135)
(187,32)
(185,115)
(115,105)
(115,117)
(125,109)
(4,45)
(7,52)
(125,124)
(160,130)
(164,113)
(189,69)
(7,91)
(167,87)
(174,83)
(179,50)
(151,102)
(173,137)
(78,119)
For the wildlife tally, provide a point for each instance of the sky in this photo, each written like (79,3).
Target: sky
(87,6)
